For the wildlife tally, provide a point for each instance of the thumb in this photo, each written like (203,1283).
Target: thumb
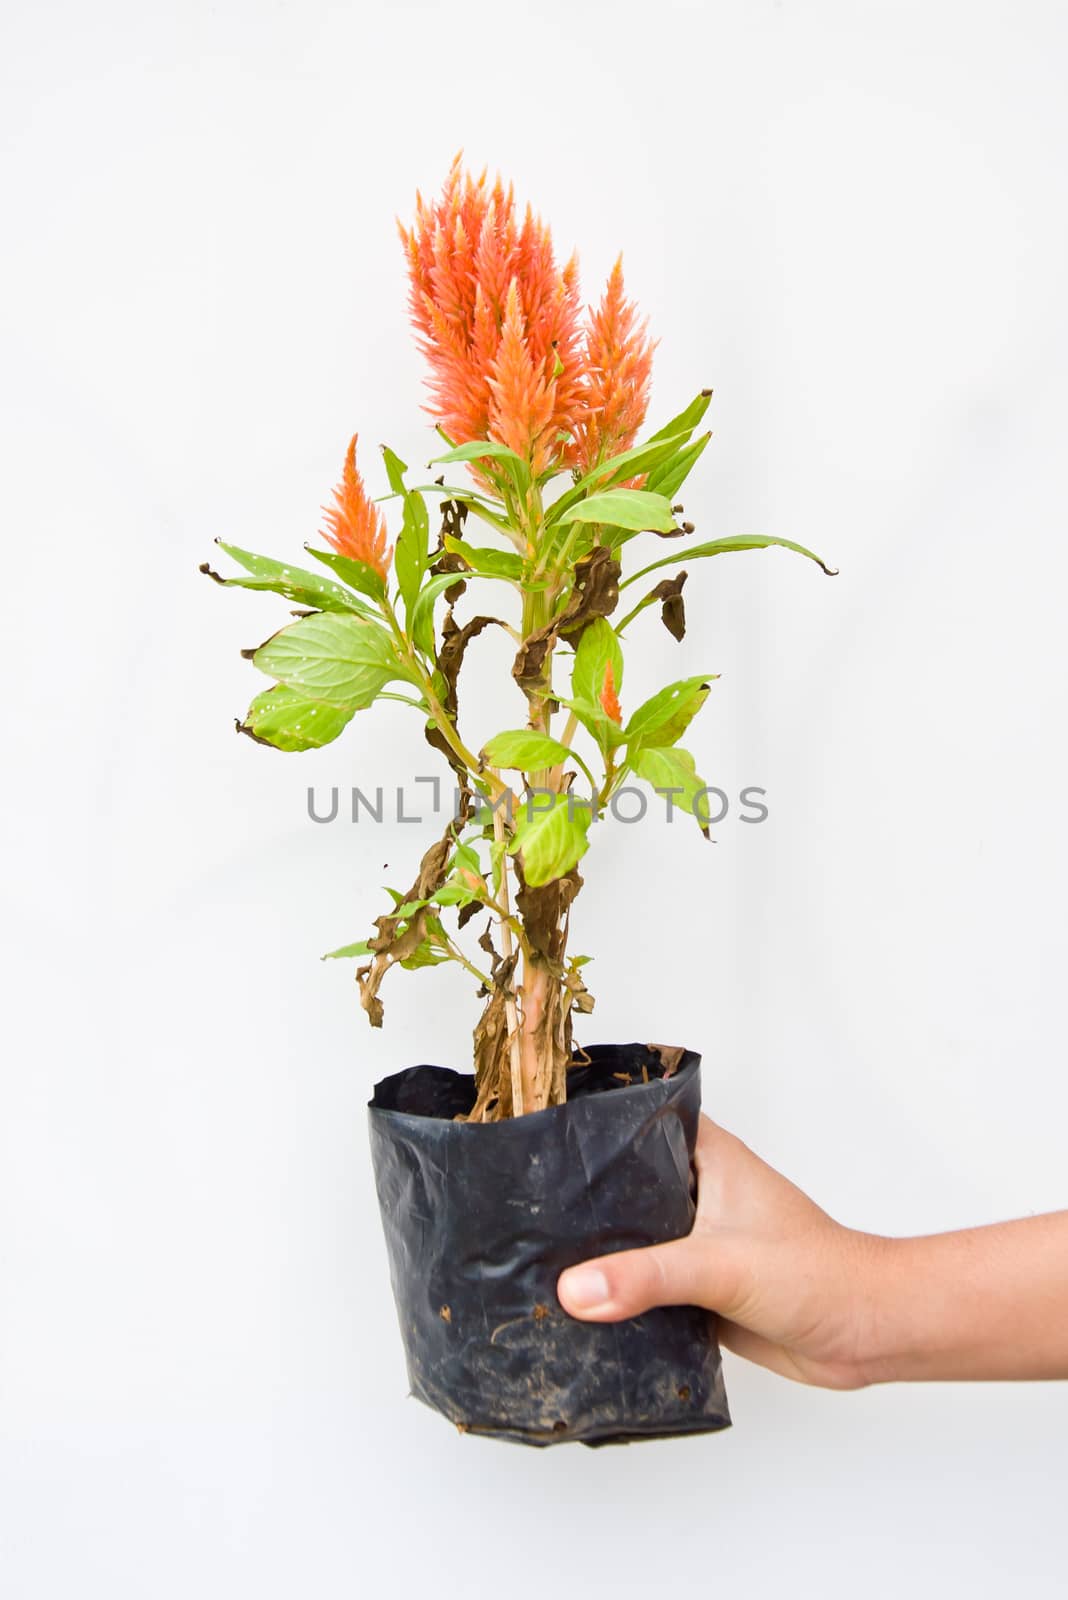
(625,1284)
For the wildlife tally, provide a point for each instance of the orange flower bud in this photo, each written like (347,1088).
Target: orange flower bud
(354,526)
(609,699)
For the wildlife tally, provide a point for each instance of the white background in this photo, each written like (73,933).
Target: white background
(850,220)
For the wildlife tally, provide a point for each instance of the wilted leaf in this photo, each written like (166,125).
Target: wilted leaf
(454,642)
(672,609)
(670,1057)
(393,944)
(595,594)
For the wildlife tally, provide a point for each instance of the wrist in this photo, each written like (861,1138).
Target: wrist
(920,1318)
(876,1306)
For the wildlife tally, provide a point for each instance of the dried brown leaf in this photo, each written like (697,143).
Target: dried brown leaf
(672,609)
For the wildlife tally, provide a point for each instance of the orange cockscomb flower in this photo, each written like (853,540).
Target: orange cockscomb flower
(619,356)
(521,396)
(497,320)
(609,699)
(354,525)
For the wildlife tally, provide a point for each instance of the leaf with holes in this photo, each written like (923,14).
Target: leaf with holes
(288,720)
(345,661)
(666,716)
(292,583)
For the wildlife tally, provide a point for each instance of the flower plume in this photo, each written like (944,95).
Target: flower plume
(619,364)
(510,357)
(354,525)
(497,320)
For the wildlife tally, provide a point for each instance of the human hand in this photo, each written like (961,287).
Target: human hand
(793,1288)
(800,1294)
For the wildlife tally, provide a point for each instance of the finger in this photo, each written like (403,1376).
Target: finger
(610,1288)
(760,1351)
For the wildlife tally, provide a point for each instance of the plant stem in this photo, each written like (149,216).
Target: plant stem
(630,616)
(510,1010)
(438,713)
(456,954)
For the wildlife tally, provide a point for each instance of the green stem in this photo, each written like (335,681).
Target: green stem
(454,953)
(630,616)
(402,699)
(437,711)
(665,561)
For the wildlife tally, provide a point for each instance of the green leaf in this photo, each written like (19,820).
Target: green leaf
(598,646)
(488,450)
(673,770)
(421,618)
(395,469)
(628,465)
(608,734)
(550,840)
(408,908)
(498,849)
(665,717)
(478,450)
(486,561)
(488,510)
(424,955)
(453,894)
(357,574)
(347,951)
(412,557)
(687,420)
(292,721)
(722,547)
(292,583)
(466,856)
(625,508)
(525,750)
(344,661)
(669,477)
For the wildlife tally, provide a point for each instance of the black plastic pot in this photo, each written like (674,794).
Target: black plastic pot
(480,1219)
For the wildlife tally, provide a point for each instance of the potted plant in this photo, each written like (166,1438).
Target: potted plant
(546,508)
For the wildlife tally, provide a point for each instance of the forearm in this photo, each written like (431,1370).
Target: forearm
(984,1303)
